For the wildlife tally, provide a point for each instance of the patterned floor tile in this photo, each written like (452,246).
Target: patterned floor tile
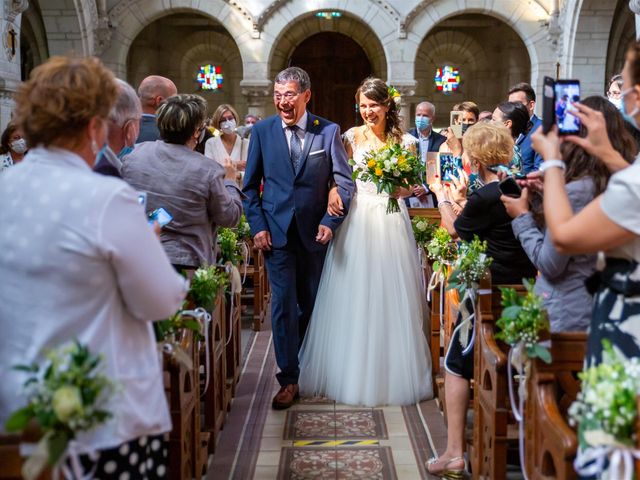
(345,464)
(328,425)
(316,401)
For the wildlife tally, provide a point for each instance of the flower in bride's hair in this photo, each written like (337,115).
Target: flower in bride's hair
(394,94)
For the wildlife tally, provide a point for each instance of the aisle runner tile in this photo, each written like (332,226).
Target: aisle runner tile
(342,424)
(375,463)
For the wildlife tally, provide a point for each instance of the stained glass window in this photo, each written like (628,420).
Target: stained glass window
(447,79)
(210,77)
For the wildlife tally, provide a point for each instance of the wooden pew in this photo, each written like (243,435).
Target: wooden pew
(491,408)
(10,460)
(233,346)
(550,444)
(256,294)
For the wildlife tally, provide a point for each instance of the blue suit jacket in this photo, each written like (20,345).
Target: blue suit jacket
(531,160)
(288,194)
(435,142)
(148,130)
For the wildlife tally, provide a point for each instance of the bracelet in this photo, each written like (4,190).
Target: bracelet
(546,165)
(444,202)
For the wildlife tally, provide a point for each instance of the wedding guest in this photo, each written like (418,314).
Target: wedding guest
(470,115)
(12,146)
(153,90)
(485,115)
(82,263)
(561,282)
(198,193)
(515,117)
(526,95)
(123,129)
(610,223)
(615,90)
(228,146)
(484,215)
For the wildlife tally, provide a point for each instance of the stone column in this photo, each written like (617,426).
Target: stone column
(407,89)
(10,56)
(257,93)
(634,6)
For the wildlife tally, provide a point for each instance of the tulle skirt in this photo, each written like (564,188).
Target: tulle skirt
(365,344)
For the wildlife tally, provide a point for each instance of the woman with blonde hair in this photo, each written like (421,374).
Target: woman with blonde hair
(228,146)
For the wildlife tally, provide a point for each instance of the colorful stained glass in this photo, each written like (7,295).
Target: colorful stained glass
(210,77)
(447,79)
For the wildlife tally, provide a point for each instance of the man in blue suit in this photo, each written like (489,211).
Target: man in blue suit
(524,93)
(428,141)
(297,157)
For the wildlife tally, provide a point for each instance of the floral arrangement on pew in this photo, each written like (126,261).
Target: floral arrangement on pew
(606,413)
(389,168)
(443,251)
(423,231)
(523,320)
(468,269)
(206,284)
(66,396)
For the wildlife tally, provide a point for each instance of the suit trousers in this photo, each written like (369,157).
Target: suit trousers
(294,274)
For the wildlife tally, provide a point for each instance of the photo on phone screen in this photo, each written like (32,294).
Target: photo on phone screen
(161,216)
(449,166)
(548,105)
(567,93)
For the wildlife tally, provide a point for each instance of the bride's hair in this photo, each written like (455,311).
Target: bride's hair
(378,91)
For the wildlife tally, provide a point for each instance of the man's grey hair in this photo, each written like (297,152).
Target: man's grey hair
(429,105)
(127,106)
(295,74)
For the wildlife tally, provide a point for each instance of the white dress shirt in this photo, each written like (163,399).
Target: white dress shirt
(78,260)
(302,129)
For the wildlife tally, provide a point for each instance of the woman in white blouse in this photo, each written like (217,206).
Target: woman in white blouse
(12,146)
(78,260)
(228,145)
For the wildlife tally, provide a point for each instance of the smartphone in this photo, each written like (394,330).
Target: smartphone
(548,111)
(455,122)
(142,198)
(161,216)
(449,166)
(510,187)
(567,93)
(503,168)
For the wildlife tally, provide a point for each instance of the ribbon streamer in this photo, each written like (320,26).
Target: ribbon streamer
(244,247)
(204,318)
(236,287)
(591,461)
(518,357)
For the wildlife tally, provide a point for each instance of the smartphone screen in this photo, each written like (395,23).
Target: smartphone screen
(548,105)
(510,188)
(449,166)
(567,93)
(161,216)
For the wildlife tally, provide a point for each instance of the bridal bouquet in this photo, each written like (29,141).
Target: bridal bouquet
(65,396)
(606,412)
(389,168)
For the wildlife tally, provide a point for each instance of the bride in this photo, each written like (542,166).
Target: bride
(365,344)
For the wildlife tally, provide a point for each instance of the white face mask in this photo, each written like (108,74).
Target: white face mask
(228,126)
(19,146)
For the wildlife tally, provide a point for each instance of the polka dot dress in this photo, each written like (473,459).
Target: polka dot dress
(144,458)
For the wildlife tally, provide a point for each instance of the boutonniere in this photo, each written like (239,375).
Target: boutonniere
(316,122)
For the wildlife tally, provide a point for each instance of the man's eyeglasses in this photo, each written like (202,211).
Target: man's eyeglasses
(287,96)
(614,94)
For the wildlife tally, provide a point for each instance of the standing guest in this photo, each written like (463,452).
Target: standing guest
(515,117)
(610,223)
(470,115)
(485,115)
(228,146)
(123,129)
(249,122)
(12,146)
(524,93)
(198,193)
(614,92)
(152,91)
(85,265)
(428,141)
(250,119)
(561,282)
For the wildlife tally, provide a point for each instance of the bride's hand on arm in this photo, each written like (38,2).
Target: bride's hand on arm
(335,208)
(401,192)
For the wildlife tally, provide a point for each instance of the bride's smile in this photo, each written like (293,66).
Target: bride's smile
(372,112)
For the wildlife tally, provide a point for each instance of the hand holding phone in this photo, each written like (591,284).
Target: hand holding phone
(510,188)
(161,216)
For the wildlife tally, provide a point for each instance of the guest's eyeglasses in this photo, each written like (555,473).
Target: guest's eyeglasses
(288,96)
(611,94)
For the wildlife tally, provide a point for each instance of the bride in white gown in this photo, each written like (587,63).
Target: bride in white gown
(365,344)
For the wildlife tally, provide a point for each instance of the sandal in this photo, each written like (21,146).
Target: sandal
(449,473)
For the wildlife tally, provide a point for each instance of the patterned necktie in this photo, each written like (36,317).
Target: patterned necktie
(296,148)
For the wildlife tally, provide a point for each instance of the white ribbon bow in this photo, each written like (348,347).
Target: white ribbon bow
(591,461)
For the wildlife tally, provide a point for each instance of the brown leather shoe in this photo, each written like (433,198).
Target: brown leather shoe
(285,397)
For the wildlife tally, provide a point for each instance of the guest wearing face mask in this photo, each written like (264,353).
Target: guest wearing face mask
(428,141)
(12,146)
(123,129)
(470,115)
(614,94)
(228,146)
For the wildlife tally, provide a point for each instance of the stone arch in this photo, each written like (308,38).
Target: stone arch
(69,25)
(34,49)
(130,18)
(623,32)
(176,45)
(484,49)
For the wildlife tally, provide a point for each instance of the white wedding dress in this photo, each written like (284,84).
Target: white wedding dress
(365,344)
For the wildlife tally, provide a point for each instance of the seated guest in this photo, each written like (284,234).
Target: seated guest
(228,146)
(12,146)
(526,95)
(198,193)
(561,282)
(85,265)
(123,129)
(484,215)
(428,141)
(152,91)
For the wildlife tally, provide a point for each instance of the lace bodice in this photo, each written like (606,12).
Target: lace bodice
(358,156)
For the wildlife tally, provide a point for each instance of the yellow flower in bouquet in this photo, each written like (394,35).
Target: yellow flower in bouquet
(390,168)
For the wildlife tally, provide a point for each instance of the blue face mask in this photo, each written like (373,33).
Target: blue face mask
(422,122)
(109,156)
(629,116)
(125,151)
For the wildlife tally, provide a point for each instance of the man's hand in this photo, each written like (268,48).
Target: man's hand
(419,191)
(262,241)
(230,171)
(335,208)
(324,234)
